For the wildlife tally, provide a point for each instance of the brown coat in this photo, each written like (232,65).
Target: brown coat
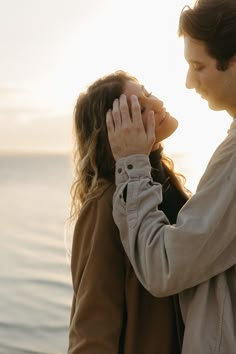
(111,312)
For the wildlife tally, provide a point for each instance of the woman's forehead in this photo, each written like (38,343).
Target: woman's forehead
(133,88)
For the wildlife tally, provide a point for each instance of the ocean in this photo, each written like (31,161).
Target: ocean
(36,290)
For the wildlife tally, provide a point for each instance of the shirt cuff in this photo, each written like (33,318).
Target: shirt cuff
(132,167)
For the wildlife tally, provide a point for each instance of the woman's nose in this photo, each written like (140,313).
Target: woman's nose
(157,103)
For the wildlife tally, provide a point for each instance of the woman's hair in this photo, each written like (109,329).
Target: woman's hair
(213,22)
(93,158)
(92,155)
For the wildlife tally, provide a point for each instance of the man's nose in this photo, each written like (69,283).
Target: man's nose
(191,80)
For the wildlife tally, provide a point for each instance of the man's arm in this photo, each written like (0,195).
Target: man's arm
(168,259)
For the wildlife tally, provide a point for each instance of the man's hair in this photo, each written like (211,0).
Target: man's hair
(214,23)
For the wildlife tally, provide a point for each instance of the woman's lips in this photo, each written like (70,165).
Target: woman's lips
(166,115)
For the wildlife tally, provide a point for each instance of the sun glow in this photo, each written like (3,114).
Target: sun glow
(64,51)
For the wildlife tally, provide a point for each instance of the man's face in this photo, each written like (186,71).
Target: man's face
(215,86)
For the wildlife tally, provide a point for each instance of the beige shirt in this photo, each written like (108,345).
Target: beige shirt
(197,254)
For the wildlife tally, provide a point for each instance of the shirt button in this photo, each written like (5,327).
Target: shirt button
(130,167)
(119,170)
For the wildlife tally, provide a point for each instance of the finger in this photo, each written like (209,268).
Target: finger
(112,134)
(136,111)
(144,117)
(109,122)
(117,120)
(150,128)
(124,110)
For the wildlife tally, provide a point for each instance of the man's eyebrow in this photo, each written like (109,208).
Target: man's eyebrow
(193,61)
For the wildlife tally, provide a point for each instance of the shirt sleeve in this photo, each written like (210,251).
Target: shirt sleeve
(168,259)
(98,280)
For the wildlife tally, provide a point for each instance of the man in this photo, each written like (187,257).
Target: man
(196,256)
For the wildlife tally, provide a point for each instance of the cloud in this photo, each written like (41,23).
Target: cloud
(27,123)
(21,104)
(12,90)
(46,133)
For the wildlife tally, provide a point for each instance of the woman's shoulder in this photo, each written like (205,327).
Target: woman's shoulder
(104,191)
(95,218)
(100,198)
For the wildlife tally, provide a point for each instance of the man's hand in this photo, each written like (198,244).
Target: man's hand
(128,134)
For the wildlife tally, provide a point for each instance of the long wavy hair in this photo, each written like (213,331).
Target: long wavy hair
(92,157)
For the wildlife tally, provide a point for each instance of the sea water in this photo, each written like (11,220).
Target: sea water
(35,281)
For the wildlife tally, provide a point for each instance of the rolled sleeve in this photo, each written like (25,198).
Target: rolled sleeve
(132,167)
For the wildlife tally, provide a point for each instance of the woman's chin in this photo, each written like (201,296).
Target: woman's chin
(166,128)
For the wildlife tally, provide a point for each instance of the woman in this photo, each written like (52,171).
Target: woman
(111,311)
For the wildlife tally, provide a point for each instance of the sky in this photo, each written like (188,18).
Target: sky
(52,49)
